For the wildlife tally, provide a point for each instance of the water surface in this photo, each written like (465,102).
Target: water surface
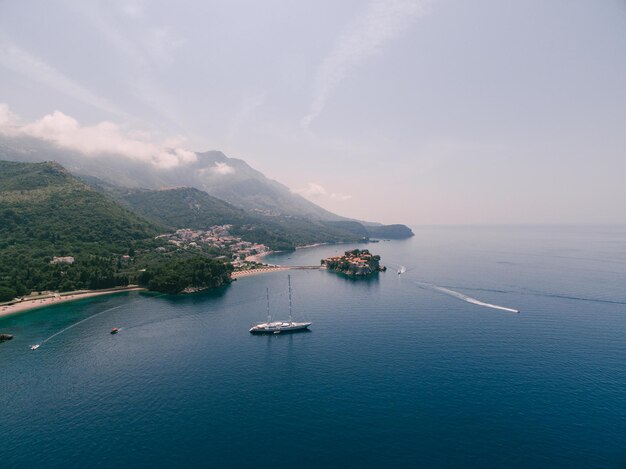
(392,372)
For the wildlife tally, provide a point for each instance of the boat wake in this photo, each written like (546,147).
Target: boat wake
(76,324)
(85,320)
(543,294)
(466,298)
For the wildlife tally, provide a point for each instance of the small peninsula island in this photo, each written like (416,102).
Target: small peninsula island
(354,263)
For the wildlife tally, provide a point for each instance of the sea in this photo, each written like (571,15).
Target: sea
(431,367)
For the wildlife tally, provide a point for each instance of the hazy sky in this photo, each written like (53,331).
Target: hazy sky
(420,112)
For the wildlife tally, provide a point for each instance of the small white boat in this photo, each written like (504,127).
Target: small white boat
(277,327)
(34,347)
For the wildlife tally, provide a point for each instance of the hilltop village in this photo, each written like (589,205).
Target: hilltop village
(241,252)
(354,263)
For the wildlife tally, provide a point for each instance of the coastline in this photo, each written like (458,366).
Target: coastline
(56,298)
(258,257)
(27,305)
(307,246)
(264,270)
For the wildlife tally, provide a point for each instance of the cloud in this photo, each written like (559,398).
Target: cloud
(222,169)
(100,139)
(22,62)
(7,118)
(314,190)
(364,37)
(134,9)
(145,49)
(341,197)
(311,190)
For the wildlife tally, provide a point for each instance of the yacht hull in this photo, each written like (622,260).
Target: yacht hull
(279,328)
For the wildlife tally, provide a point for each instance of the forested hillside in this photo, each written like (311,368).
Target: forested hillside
(191,208)
(45,213)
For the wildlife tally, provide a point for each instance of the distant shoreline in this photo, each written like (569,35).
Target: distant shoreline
(268,269)
(263,270)
(258,257)
(56,298)
(307,246)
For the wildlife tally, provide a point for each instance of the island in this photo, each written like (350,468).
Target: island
(357,263)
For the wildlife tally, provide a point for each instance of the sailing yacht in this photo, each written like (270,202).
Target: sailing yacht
(276,327)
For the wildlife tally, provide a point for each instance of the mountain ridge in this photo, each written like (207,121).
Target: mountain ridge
(230,179)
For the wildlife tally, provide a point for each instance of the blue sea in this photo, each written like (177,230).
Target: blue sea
(397,370)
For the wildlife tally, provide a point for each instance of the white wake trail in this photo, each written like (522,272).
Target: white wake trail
(90,318)
(79,322)
(465,298)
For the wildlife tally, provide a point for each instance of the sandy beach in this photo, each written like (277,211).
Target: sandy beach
(259,257)
(265,270)
(55,298)
(307,246)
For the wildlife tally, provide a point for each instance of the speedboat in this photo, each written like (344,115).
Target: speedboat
(34,347)
(115,330)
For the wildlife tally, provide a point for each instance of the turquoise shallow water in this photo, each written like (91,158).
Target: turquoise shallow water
(393,373)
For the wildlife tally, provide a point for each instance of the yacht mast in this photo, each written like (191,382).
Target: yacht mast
(269,317)
(289,281)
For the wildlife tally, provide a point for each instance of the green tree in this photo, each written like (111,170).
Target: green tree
(6,293)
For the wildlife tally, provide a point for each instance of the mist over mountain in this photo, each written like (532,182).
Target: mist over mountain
(229,179)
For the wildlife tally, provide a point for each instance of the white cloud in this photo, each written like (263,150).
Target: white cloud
(222,169)
(145,49)
(7,118)
(22,62)
(341,197)
(311,190)
(99,139)
(364,37)
(134,9)
(314,190)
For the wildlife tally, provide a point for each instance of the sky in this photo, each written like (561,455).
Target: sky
(399,111)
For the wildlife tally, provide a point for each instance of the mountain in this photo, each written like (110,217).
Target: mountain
(119,171)
(234,181)
(184,207)
(107,232)
(58,233)
(47,212)
(389,231)
(44,203)
(188,207)
(229,179)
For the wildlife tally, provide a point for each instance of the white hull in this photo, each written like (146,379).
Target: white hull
(278,327)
